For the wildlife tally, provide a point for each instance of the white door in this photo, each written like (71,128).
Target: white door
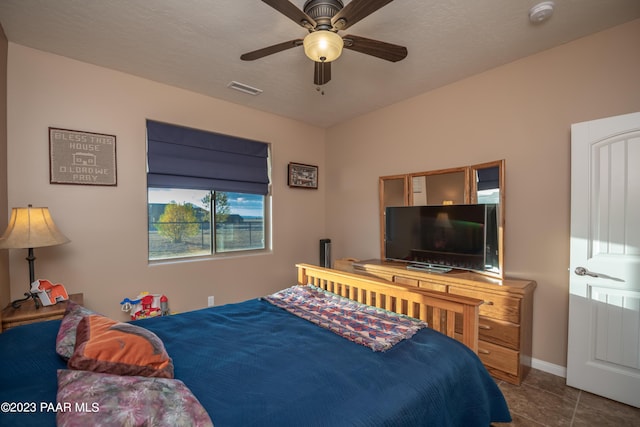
(604,304)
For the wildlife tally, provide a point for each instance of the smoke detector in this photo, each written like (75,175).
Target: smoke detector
(541,12)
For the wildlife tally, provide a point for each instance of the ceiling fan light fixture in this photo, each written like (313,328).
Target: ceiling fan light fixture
(323,46)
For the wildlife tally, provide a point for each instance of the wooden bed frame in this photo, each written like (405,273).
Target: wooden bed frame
(438,309)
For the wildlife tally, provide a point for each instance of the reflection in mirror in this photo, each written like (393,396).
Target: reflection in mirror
(394,192)
(438,189)
(488,185)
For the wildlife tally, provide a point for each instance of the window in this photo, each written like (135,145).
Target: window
(207,193)
(180,222)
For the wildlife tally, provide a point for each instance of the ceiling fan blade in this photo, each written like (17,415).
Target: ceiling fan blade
(355,11)
(292,12)
(382,50)
(321,73)
(270,50)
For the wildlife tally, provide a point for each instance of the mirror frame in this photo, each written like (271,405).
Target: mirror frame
(470,196)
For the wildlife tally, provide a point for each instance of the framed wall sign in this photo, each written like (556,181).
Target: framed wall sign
(77,157)
(303,176)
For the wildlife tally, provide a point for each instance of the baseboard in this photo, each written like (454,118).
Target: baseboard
(549,368)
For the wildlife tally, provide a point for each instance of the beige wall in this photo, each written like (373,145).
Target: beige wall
(106,259)
(520,112)
(4,256)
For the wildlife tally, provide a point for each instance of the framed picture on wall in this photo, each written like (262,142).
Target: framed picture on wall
(78,157)
(302,176)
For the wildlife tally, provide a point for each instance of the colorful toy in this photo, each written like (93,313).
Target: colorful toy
(164,305)
(49,293)
(146,305)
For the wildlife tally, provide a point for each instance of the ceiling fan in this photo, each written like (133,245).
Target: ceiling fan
(323,19)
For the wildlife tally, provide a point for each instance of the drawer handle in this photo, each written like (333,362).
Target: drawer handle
(488,302)
(485,327)
(483,351)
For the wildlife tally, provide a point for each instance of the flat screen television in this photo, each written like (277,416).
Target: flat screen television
(443,237)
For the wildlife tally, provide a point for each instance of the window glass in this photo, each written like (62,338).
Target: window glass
(239,220)
(180,222)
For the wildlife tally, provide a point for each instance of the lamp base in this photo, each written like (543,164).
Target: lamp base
(28,295)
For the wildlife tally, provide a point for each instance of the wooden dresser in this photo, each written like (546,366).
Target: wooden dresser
(505,317)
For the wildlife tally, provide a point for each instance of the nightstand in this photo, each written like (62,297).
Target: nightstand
(27,313)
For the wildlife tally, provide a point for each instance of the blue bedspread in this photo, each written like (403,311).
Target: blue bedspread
(254,364)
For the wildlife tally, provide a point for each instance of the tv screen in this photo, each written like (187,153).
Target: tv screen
(452,236)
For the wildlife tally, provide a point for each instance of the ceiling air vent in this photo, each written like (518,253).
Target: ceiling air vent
(245,88)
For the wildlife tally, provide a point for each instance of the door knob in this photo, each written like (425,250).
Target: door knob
(581,271)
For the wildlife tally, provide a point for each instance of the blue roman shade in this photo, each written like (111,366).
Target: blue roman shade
(181,157)
(488,178)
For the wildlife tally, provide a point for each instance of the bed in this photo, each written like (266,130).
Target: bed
(256,363)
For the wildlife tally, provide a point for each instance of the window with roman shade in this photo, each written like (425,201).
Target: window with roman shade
(207,192)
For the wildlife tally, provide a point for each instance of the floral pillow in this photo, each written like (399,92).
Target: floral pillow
(105,345)
(66,339)
(95,399)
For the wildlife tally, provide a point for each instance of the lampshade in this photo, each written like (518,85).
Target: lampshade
(323,46)
(31,228)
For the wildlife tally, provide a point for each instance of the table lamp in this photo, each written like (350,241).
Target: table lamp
(31,228)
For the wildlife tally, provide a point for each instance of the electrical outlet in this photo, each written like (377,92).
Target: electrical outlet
(210,301)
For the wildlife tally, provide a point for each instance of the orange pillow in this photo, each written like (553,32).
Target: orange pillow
(104,345)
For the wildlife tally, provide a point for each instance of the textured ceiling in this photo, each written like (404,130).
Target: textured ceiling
(196,45)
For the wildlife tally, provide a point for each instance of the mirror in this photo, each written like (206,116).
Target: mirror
(439,187)
(481,183)
(487,186)
(487,183)
(394,191)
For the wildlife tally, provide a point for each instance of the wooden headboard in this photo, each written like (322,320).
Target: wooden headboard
(438,309)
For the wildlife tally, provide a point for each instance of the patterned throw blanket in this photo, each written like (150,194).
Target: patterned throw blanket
(372,327)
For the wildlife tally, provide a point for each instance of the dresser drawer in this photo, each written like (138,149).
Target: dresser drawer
(501,358)
(425,284)
(433,286)
(495,306)
(498,332)
(406,281)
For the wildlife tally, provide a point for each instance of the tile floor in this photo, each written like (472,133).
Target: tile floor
(545,400)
